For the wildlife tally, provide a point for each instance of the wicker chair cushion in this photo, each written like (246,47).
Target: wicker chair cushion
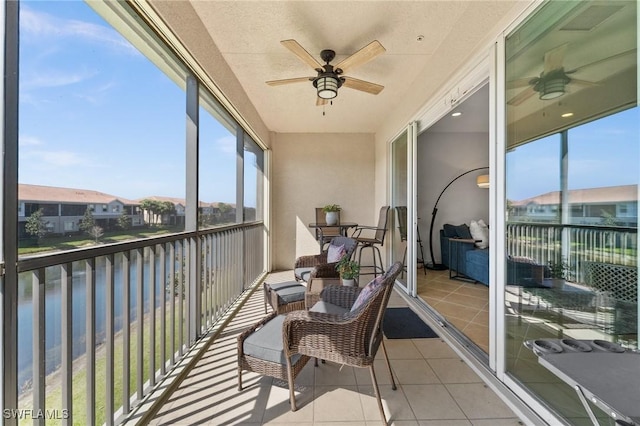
(335,253)
(290,291)
(367,292)
(304,272)
(328,308)
(266,343)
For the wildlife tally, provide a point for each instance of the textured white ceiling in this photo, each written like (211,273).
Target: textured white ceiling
(248,34)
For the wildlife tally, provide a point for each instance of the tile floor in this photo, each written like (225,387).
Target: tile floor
(435,387)
(463,304)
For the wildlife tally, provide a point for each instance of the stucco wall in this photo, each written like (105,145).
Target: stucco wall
(311,170)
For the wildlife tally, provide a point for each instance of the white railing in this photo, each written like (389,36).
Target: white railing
(575,245)
(99,328)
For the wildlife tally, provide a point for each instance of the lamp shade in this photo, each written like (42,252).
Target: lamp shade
(327,87)
(482,181)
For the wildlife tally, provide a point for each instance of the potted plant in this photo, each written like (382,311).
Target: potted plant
(558,272)
(331,213)
(348,270)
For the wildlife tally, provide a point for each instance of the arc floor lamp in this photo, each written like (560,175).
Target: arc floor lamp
(482,181)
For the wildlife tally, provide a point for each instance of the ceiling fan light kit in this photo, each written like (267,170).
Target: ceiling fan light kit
(327,86)
(329,78)
(552,86)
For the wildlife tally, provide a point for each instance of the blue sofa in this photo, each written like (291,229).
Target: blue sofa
(474,262)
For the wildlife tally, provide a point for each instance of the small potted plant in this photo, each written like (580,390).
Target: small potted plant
(348,270)
(558,272)
(331,213)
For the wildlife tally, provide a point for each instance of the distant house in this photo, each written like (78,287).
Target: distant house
(612,205)
(63,208)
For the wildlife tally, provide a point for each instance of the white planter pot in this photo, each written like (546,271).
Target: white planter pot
(348,282)
(331,218)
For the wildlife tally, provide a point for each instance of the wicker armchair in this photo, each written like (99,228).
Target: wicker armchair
(305,265)
(352,338)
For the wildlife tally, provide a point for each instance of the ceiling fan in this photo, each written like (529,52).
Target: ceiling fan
(330,77)
(552,81)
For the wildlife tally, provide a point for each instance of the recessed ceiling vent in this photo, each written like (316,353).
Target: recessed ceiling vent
(590,18)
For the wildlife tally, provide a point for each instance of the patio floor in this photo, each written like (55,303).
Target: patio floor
(435,387)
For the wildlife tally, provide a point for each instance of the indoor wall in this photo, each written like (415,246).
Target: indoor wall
(441,157)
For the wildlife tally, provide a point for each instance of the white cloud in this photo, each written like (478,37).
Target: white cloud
(28,141)
(43,25)
(227,144)
(53,159)
(51,78)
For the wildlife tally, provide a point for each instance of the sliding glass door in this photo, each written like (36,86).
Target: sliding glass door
(402,214)
(571,260)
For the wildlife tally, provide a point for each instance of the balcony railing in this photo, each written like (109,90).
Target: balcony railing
(99,328)
(576,246)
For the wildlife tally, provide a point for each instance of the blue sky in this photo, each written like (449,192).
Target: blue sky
(97,114)
(601,153)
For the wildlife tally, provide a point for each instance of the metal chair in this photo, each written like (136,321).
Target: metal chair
(372,242)
(401,212)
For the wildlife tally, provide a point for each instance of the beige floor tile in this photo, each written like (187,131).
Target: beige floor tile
(453,370)
(337,404)
(400,349)
(340,424)
(497,422)
(414,372)
(278,408)
(458,323)
(395,404)
(444,423)
(455,310)
(476,290)
(432,402)
(479,334)
(479,402)
(466,300)
(333,374)
(435,293)
(363,376)
(434,348)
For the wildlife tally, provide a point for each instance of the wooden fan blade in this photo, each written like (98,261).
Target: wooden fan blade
(521,82)
(583,83)
(521,97)
(301,53)
(362,56)
(364,86)
(554,58)
(289,81)
(320,101)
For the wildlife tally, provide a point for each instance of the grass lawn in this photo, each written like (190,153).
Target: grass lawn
(79,380)
(59,243)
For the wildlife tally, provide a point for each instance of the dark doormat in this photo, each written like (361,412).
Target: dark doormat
(403,323)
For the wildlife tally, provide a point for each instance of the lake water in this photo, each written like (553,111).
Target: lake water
(53,312)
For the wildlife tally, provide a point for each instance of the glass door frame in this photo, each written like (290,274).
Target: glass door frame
(410,287)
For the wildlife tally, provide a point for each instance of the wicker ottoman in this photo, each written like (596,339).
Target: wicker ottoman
(260,349)
(284,297)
